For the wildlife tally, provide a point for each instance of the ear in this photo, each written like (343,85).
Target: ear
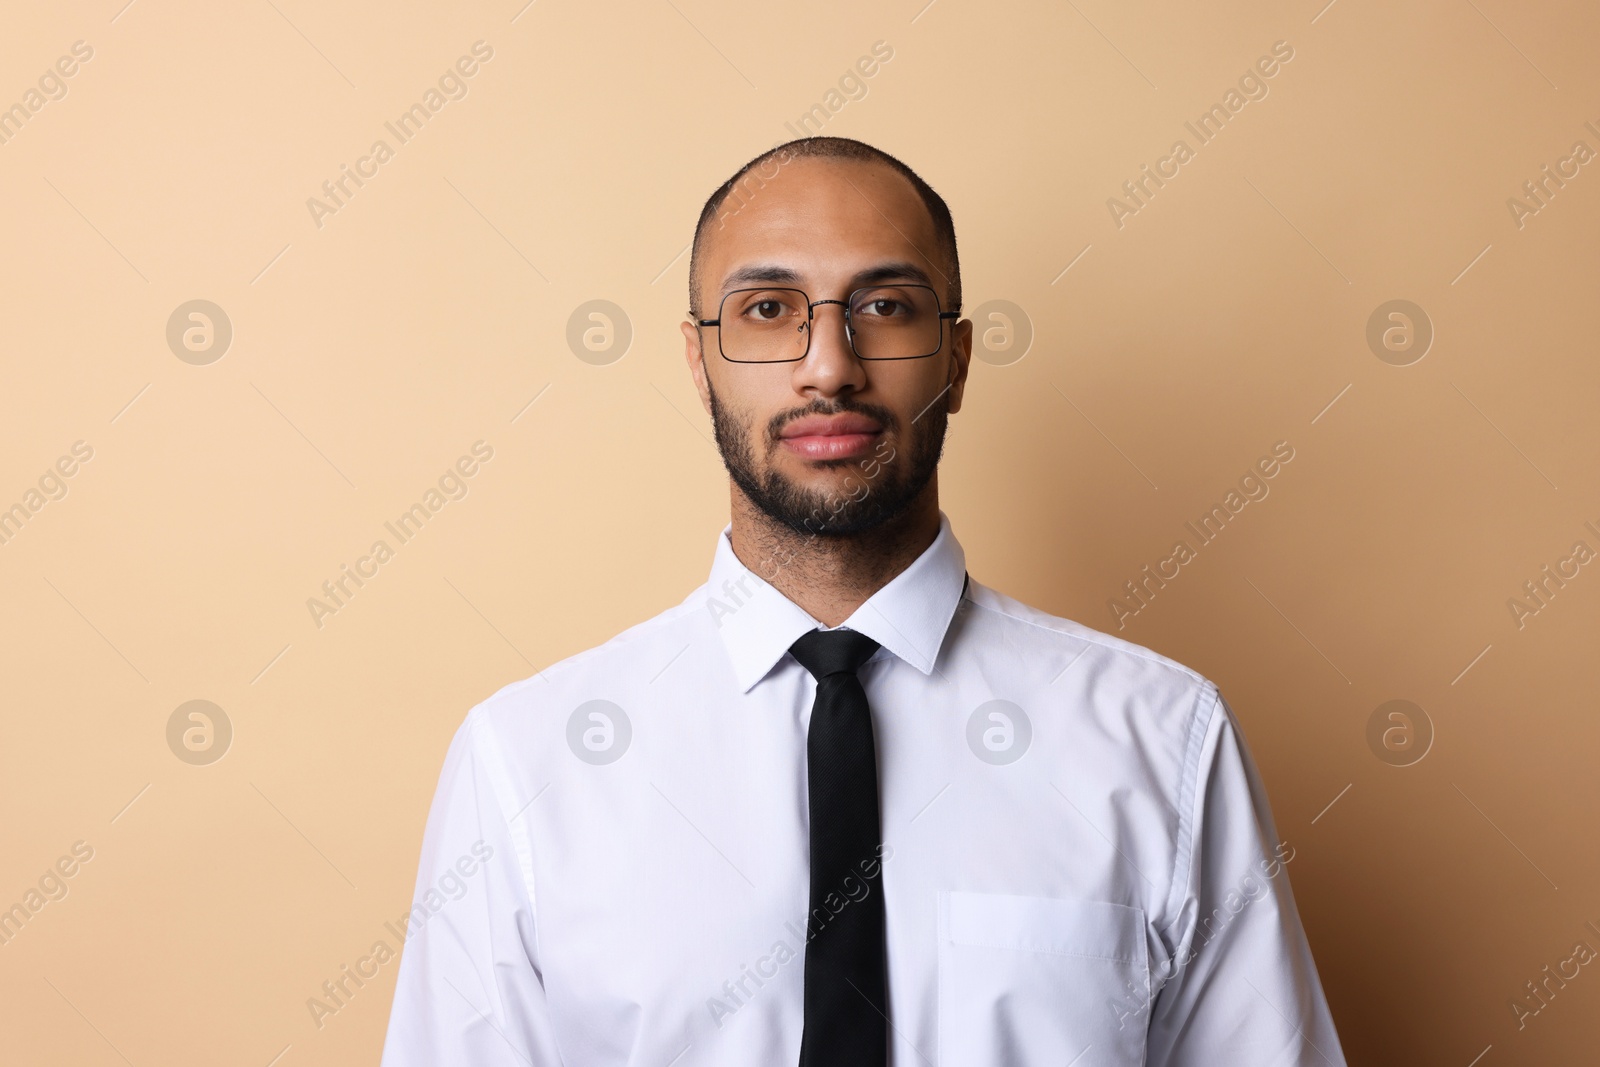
(694,356)
(960,360)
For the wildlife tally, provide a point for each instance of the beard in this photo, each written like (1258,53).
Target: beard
(880,487)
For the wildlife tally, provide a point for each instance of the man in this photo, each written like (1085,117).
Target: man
(845,805)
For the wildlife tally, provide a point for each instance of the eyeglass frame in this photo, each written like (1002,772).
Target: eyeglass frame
(811,318)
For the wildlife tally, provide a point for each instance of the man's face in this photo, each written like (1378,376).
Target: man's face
(829,444)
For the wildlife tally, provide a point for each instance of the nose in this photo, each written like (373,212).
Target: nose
(831,365)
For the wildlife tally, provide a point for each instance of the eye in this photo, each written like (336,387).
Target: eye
(882,307)
(767,308)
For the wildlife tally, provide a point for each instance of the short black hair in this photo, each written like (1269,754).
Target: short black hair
(826,148)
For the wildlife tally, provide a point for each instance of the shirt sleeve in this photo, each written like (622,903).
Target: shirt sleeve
(1245,988)
(469,989)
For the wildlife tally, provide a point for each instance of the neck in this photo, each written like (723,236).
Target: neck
(830,577)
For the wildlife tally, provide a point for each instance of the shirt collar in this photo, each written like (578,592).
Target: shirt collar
(908,616)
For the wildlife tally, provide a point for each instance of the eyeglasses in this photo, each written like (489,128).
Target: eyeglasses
(881,321)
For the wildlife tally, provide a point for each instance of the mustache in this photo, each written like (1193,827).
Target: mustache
(883,415)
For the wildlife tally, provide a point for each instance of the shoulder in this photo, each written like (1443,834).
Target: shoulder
(1112,678)
(594,671)
(1018,617)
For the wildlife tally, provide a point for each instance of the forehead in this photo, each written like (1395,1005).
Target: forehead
(826,219)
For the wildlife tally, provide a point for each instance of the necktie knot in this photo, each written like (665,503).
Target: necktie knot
(826,652)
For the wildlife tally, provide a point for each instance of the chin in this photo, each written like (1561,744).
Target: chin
(847,522)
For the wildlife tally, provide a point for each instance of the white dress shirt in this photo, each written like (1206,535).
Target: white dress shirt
(1079,864)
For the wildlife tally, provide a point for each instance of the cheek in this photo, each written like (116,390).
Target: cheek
(921,396)
(749,404)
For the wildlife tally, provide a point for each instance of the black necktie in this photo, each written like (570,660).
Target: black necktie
(846,1006)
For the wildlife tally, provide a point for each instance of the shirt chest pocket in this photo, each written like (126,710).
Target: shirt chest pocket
(1029,980)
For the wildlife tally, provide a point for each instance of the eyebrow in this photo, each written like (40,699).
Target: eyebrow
(772,272)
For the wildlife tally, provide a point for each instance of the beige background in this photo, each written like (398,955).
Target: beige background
(430,310)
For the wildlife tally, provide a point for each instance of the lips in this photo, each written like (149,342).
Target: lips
(830,436)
